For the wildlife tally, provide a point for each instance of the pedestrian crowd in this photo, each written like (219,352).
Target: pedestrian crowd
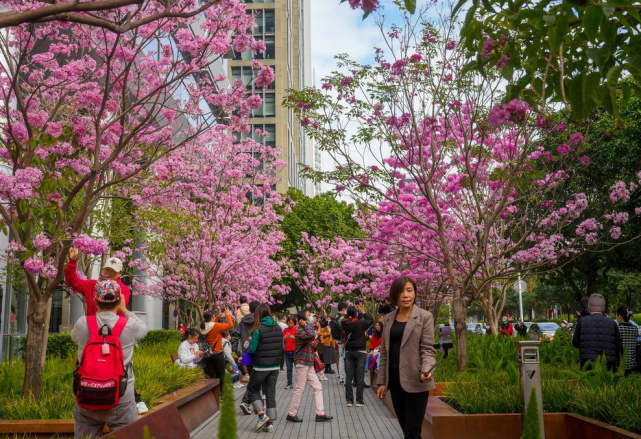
(254,346)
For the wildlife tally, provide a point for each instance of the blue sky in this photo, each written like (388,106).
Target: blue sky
(336,28)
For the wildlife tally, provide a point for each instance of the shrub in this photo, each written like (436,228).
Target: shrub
(227,425)
(161,336)
(58,345)
(155,376)
(531,426)
(636,318)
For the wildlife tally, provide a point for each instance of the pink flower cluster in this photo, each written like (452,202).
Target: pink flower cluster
(366,5)
(33,266)
(513,112)
(41,242)
(91,246)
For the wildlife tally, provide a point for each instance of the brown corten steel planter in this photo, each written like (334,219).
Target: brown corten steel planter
(442,421)
(194,404)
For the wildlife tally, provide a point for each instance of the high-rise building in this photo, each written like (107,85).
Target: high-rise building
(284,26)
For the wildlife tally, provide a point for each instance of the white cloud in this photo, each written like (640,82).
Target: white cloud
(336,28)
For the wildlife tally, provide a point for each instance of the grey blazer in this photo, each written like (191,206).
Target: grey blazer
(417,351)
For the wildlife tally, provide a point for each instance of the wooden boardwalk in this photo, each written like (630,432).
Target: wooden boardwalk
(373,421)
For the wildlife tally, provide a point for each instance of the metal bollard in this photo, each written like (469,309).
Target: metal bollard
(530,371)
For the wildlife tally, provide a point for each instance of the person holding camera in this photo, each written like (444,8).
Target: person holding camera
(407,357)
(354,327)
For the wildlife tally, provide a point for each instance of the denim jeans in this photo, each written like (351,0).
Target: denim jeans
(354,364)
(289,360)
(341,362)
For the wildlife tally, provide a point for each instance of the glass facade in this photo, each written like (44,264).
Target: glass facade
(270,50)
(268,95)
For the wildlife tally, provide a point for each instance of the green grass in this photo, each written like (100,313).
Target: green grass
(155,376)
(491,383)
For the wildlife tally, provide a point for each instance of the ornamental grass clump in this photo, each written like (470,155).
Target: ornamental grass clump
(155,376)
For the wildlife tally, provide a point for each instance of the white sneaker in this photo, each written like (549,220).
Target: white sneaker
(261,423)
(269,428)
(238,385)
(142,407)
(349,404)
(359,404)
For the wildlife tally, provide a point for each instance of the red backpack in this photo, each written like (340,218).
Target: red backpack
(101,377)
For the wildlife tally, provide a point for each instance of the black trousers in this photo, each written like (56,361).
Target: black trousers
(354,367)
(409,407)
(265,380)
(217,365)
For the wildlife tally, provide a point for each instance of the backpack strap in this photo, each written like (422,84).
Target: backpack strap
(92,325)
(119,327)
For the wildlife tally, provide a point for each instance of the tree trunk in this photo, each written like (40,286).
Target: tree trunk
(492,321)
(38,316)
(460,325)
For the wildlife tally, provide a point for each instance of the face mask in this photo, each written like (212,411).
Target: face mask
(311,319)
(563,325)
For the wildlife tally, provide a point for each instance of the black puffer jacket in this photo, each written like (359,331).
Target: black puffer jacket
(354,332)
(246,325)
(596,334)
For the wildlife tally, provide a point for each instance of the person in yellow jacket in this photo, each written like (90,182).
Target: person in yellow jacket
(329,351)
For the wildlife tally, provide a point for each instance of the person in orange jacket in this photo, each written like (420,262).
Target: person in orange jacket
(212,328)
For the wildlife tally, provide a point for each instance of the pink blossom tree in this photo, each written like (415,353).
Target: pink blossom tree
(84,111)
(212,230)
(328,271)
(430,148)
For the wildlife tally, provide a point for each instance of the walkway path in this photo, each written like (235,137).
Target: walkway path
(373,421)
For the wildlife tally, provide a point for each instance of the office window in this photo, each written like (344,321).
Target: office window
(269,104)
(265,21)
(247,74)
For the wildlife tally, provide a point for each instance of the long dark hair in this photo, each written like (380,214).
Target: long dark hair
(190,333)
(378,334)
(207,315)
(624,312)
(261,312)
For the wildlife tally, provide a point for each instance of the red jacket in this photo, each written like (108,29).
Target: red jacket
(290,344)
(509,331)
(374,342)
(88,287)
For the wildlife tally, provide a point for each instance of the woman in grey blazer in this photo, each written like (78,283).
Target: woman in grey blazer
(407,357)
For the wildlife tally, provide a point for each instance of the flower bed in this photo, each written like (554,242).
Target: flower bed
(155,377)
(490,388)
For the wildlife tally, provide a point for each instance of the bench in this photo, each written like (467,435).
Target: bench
(163,423)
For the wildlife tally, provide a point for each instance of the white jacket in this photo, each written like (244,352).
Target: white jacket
(187,354)
(227,351)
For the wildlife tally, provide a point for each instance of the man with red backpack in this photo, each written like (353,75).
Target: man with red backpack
(112,270)
(104,380)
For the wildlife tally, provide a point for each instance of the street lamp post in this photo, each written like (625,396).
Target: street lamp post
(519,286)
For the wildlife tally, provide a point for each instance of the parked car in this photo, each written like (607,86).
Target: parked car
(548,329)
(471,328)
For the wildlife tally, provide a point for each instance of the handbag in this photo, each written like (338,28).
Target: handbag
(318,364)
(247,358)
(204,346)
